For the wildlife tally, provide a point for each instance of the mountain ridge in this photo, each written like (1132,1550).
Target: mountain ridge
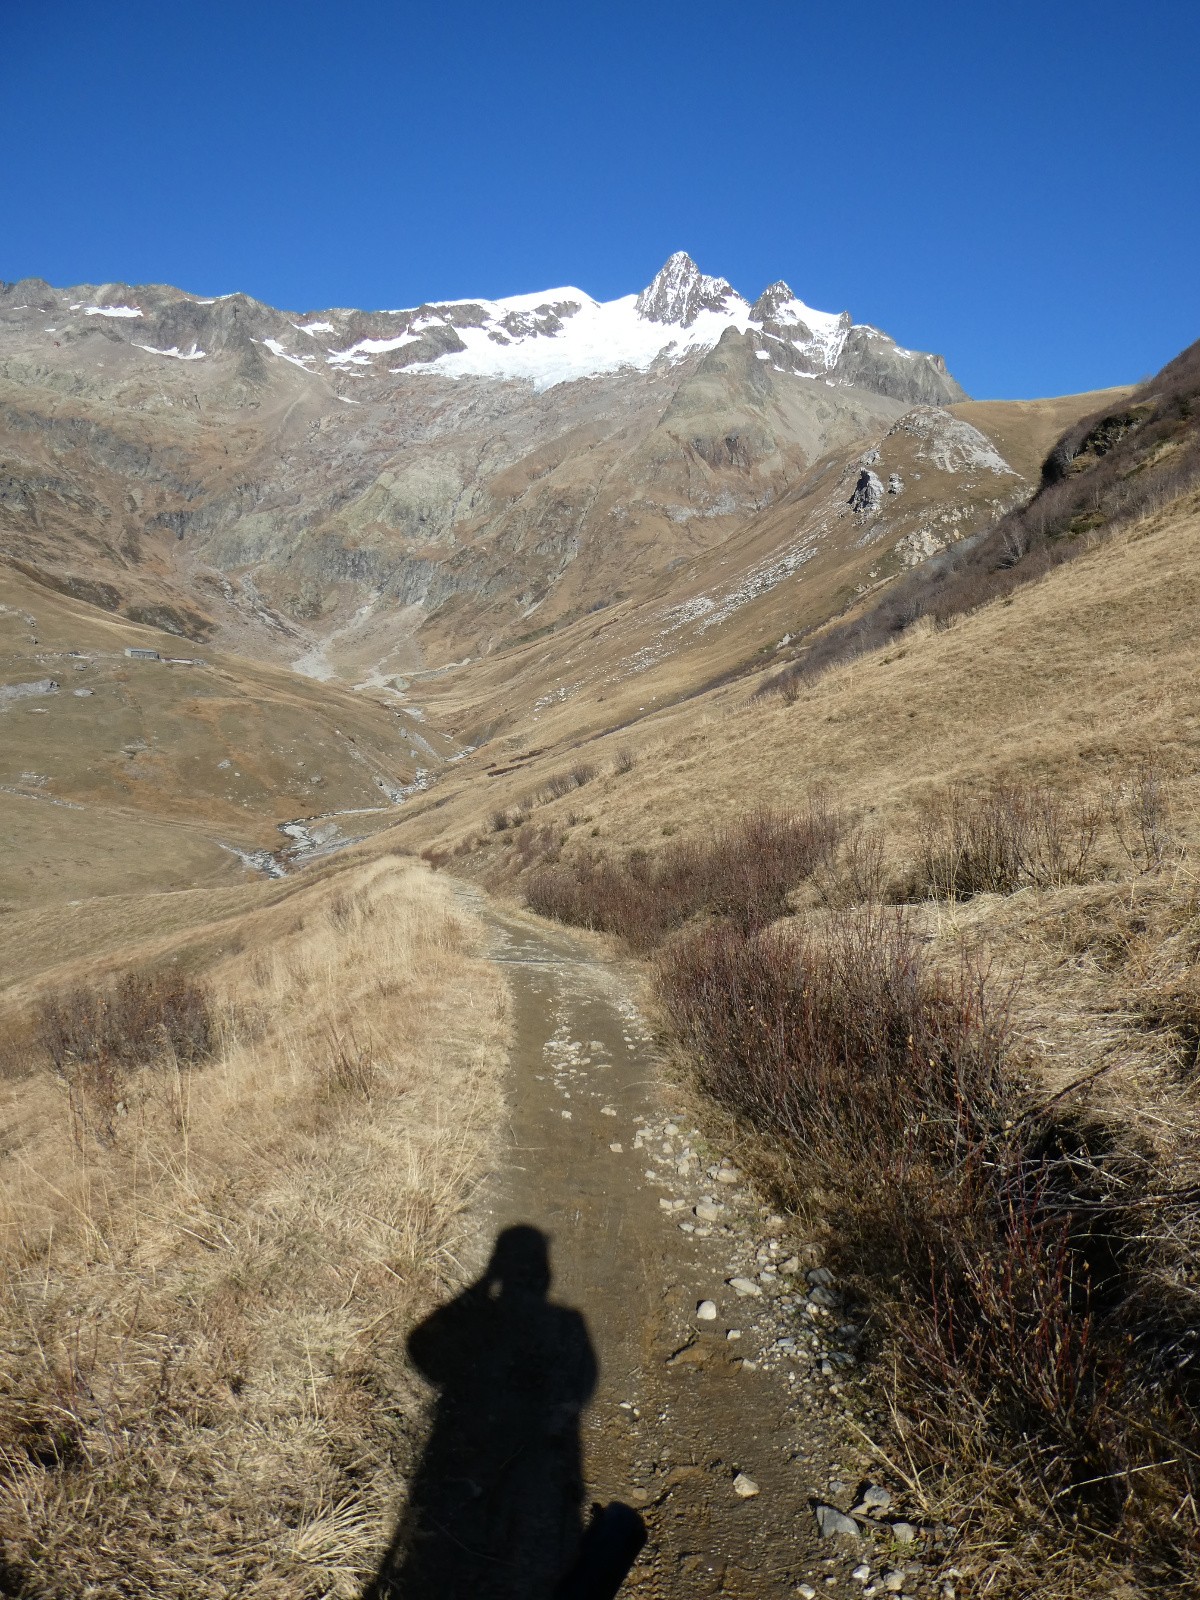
(548,337)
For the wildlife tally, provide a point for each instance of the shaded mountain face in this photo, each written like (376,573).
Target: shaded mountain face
(370,494)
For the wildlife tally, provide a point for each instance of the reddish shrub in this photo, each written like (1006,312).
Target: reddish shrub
(744,874)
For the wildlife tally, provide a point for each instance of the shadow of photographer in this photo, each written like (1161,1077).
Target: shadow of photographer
(495,1509)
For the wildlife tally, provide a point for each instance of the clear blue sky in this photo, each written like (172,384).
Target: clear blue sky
(1014,184)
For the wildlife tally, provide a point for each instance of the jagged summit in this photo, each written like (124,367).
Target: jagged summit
(550,337)
(679,292)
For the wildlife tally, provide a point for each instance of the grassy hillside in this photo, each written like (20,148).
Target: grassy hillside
(238,1157)
(119,773)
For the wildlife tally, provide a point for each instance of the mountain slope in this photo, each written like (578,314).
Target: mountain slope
(236,471)
(119,772)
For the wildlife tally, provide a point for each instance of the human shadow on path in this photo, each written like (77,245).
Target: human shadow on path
(495,1507)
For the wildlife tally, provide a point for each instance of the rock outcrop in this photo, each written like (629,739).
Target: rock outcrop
(867,494)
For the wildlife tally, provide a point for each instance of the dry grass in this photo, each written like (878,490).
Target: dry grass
(1069,683)
(202,1318)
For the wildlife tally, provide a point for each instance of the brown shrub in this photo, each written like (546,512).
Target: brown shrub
(1003,837)
(143,1019)
(1140,811)
(559,784)
(1039,1314)
(843,1045)
(743,873)
(541,844)
(858,873)
(94,1038)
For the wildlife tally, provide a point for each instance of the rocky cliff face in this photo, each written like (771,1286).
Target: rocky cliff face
(680,292)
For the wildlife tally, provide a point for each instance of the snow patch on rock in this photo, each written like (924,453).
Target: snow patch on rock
(194,354)
(109,311)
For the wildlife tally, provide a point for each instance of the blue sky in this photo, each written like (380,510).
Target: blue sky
(1015,185)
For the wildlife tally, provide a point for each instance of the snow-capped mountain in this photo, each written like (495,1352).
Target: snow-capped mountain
(370,493)
(543,339)
(561,335)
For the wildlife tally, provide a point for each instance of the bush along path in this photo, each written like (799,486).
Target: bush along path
(728,1407)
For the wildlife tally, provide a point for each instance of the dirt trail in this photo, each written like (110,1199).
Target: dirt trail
(683,1405)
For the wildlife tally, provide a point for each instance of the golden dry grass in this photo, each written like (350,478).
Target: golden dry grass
(202,1322)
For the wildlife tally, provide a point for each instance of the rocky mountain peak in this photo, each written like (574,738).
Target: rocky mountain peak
(771,301)
(680,292)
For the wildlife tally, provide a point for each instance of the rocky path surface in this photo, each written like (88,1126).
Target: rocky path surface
(724,1355)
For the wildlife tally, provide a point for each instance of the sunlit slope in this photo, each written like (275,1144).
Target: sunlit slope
(1072,679)
(802,558)
(117,771)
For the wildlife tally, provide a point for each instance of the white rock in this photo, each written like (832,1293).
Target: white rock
(861,1573)
(745,1487)
(706,1311)
(617,1149)
(836,1524)
(728,1175)
(745,1288)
